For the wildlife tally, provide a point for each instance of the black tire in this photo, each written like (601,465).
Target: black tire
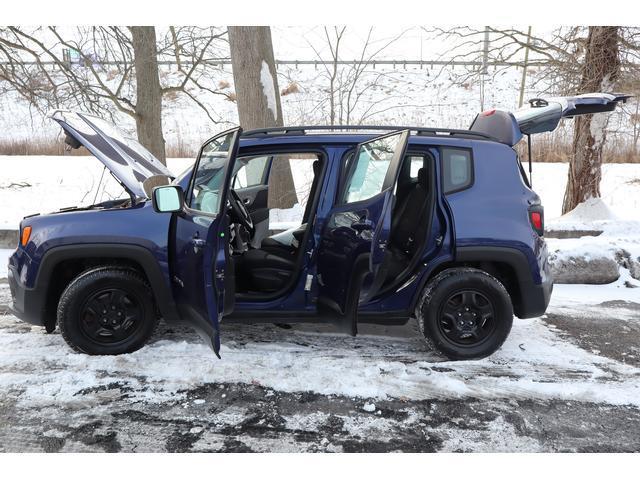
(465,313)
(107,311)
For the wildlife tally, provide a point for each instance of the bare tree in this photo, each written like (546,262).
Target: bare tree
(350,83)
(571,60)
(255,77)
(600,72)
(95,68)
(258,99)
(149,99)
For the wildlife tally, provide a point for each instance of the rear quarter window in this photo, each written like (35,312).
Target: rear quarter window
(457,169)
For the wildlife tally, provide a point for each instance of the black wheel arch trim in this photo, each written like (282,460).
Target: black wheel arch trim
(135,253)
(534,298)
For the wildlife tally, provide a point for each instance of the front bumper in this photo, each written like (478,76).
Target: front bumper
(26,303)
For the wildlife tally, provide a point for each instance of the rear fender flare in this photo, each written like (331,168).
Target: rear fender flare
(512,257)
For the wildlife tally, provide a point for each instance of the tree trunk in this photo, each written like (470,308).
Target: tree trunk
(148,91)
(258,99)
(600,73)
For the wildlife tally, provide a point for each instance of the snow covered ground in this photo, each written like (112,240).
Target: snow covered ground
(32,184)
(401,96)
(554,386)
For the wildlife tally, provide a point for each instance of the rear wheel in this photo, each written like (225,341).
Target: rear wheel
(107,311)
(465,313)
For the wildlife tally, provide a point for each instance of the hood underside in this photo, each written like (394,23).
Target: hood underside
(124,156)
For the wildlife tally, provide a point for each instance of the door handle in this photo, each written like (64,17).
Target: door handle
(246,201)
(198,243)
(362,225)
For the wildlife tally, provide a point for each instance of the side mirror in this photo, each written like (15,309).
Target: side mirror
(167,199)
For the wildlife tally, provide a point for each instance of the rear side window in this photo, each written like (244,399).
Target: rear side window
(251,172)
(417,162)
(457,169)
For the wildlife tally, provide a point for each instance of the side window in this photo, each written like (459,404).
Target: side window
(368,174)
(251,172)
(416,163)
(457,169)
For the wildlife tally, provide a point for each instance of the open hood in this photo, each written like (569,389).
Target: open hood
(129,162)
(543,115)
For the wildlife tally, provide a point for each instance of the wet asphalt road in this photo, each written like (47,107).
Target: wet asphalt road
(248,417)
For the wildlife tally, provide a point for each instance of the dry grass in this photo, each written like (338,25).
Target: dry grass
(545,149)
(555,148)
(37,147)
(57,147)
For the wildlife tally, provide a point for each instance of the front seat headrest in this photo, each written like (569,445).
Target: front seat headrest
(422,177)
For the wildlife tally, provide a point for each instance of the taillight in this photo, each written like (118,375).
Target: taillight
(536,217)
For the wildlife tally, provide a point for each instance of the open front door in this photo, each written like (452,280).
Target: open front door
(202,272)
(355,237)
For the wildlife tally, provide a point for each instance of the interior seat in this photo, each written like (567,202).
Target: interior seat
(263,271)
(408,226)
(285,245)
(270,267)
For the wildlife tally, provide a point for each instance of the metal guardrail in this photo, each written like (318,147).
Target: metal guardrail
(373,63)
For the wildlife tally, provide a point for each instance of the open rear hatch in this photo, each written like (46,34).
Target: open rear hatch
(543,115)
(129,162)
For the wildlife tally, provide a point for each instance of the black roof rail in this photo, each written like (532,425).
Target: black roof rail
(422,131)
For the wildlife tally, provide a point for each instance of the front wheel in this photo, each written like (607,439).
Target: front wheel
(465,313)
(107,311)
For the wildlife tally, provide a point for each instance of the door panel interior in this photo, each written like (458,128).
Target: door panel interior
(354,240)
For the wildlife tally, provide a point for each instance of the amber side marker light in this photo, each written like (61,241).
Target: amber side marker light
(26,235)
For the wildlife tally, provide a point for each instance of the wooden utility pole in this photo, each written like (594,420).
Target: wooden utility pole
(523,82)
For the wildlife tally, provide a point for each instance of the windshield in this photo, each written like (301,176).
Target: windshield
(125,157)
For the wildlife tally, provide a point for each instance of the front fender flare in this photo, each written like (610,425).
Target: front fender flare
(151,268)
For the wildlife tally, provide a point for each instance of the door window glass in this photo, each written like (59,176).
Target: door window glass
(209,174)
(372,164)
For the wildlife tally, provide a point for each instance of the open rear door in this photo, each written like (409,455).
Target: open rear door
(543,115)
(355,237)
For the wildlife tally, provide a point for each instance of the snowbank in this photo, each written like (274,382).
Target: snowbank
(584,215)
(594,259)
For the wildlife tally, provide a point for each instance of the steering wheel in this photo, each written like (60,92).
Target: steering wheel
(240,212)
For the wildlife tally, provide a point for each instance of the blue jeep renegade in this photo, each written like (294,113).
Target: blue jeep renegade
(386,224)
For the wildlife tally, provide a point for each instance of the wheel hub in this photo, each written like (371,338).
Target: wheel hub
(467,317)
(111,315)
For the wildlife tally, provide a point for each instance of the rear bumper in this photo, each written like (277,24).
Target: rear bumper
(26,303)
